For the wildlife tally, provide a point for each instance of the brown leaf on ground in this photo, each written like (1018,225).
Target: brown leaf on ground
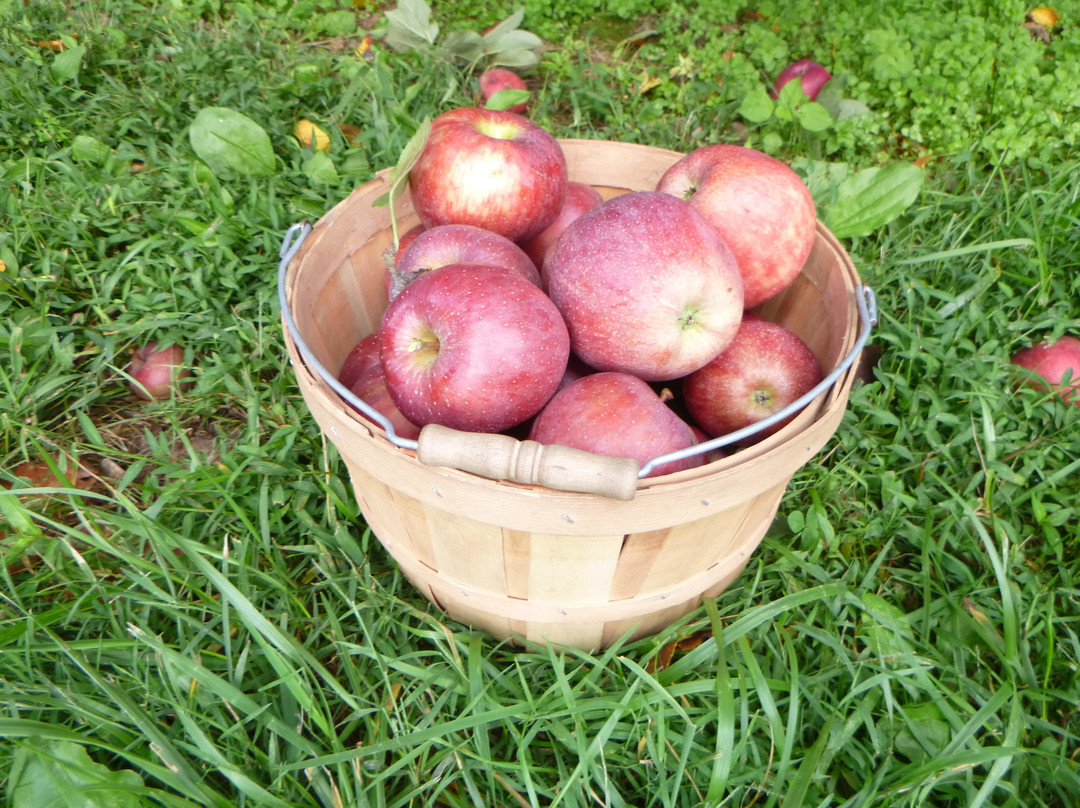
(1039,32)
(41,475)
(665,655)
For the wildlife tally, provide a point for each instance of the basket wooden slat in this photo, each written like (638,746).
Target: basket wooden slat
(527,562)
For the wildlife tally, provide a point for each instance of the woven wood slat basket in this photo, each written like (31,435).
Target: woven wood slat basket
(530,563)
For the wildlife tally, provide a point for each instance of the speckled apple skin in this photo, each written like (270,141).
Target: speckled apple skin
(626,273)
(617,415)
(760,206)
(502,348)
(764,369)
(489,168)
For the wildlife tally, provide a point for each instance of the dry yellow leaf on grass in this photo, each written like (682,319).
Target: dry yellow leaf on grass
(1044,16)
(311,136)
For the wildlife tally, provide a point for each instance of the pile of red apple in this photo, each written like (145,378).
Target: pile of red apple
(526,303)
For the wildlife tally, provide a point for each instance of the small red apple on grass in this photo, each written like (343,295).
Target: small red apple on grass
(580,198)
(463,244)
(646,285)
(1053,362)
(760,206)
(765,368)
(812,75)
(489,168)
(157,372)
(616,415)
(362,373)
(472,347)
(497,79)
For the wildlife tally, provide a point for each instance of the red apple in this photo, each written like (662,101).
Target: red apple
(701,436)
(496,80)
(765,368)
(472,347)
(465,244)
(492,169)
(1053,361)
(617,415)
(157,372)
(579,198)
(812,75)
(405,239)
(760,206)
(362,373)
(646,285)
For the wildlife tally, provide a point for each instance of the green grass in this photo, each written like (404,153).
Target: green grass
(208,610)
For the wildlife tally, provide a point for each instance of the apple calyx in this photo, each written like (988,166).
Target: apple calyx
(689,318)
(762,398)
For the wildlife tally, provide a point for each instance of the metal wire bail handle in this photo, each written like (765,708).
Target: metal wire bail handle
(505,458)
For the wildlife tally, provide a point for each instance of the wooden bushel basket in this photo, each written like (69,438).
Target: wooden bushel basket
(528,562)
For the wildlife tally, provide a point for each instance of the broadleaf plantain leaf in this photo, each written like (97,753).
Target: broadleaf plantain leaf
(873,197)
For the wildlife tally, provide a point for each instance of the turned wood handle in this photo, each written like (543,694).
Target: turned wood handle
(500,457)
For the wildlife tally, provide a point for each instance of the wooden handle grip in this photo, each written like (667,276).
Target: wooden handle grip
(500,457)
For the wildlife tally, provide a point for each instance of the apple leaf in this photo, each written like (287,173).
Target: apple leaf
(504,99)
(757,107)
(399,174)
(230,142)
(873,197)
(61,774)
(465,45)
(511,23)
(410,26)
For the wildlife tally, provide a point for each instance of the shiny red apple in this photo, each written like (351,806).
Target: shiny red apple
(646,285)
(812,75)
(495,80)
(464,244)
(489,168)
(765,368)
(362,373)
(1053,362)
(472,347)
(157,372)
(580,197)
(617,415)
(760,206)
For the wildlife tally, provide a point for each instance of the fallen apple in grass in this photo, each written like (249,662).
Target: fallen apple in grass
(616,415)
(497,79)
(646,285)
(760,206)
(464,244)
(472,347)
(1057,364)
(489,168)
(157,372)
(765,368)
(362,374)
(812,75)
